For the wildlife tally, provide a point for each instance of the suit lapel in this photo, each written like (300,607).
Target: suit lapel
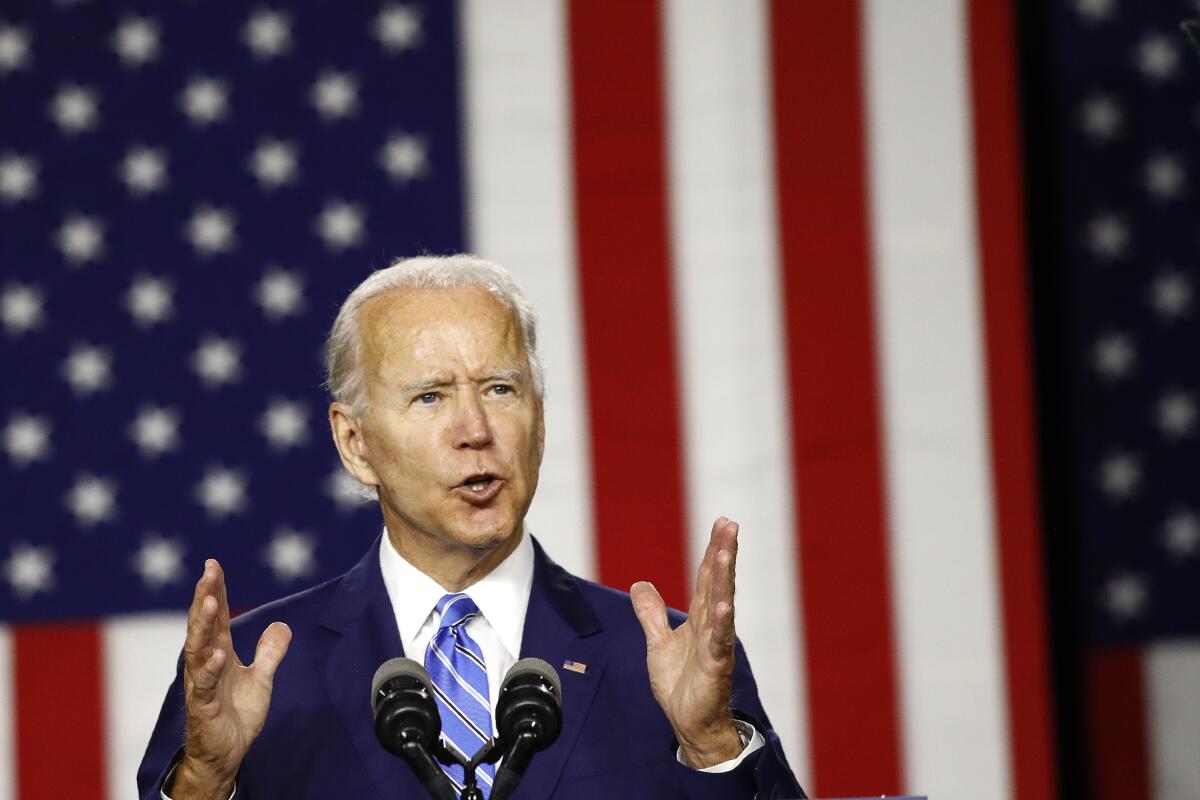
(363,636)
(560,627)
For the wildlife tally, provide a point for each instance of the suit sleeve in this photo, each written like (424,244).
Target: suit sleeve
(764,773)
(166,742)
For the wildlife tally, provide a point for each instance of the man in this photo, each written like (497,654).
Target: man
(437,408)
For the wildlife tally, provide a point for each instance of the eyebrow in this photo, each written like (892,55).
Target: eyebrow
(416,387)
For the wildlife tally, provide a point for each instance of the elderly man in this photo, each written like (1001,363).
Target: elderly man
(437,407)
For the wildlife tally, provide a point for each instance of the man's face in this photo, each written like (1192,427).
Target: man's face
(453,433)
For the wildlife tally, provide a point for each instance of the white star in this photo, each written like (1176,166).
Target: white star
(1101,117)
(1176,414)
(1125,596)
(205,100)
(222,492)
(335,94)
(274,163)
(81,239)
(18,178)
(398,28)
(88,369)
(404,157)
(1113,355)
(345,490)
(285,424)
(268,33)
(1094,10)
(340,225)
(92,500)
(1157,57)
(74,109)
(155,431)
(144,170)
(1171,295)
(1182,531)
(1108,236)
(1165,177)
(217,361)
(290,554)
(26,438)
(210,230)
(159,561)
(149,300)
(14,48)
(20,308)
(1120,476)
(29,569)
(136,41)
(280,293)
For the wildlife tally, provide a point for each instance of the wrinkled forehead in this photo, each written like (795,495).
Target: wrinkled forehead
(410,329)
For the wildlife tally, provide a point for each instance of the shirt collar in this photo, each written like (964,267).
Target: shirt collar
(502,595)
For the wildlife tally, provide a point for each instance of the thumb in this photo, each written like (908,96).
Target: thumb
(650,609)
(272,647)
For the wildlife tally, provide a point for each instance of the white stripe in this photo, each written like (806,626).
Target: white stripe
(727,290)
(139,655)
(1173,719)
(8,717)
(954,713)
(521,215)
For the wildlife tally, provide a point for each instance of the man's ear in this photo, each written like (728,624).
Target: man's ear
(351,445)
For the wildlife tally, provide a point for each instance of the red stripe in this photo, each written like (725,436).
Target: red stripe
(1117,725)
(843,561)
(59,717)
(1006,329)
(624,280)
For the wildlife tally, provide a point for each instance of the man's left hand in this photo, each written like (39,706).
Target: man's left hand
(691,667)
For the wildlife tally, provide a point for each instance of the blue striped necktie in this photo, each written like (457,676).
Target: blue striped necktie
(460,684)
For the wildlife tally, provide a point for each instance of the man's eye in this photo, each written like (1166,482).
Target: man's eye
(427,398)
(500,388)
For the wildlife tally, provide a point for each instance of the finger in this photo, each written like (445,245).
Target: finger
(199,633)
(204,685)
(699,606)
(651,611)
(721,582)
(722,636)
(272,647)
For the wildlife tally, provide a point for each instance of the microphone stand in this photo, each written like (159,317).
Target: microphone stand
(488,754)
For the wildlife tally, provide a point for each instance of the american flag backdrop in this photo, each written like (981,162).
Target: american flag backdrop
(779,254)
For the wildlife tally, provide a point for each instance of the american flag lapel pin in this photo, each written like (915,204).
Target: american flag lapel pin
(575,666)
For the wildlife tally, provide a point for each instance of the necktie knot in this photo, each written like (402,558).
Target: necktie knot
(456,609)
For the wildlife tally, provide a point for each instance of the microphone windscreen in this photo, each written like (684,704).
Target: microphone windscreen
(399,668)
(535,667)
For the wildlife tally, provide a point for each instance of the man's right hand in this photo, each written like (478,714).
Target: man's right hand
(226,701)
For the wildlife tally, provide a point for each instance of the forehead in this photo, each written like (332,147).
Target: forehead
(431,329)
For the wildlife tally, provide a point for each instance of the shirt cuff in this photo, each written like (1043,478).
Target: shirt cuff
(752,741)
(162,793)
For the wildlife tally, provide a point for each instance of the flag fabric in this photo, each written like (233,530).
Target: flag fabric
(778,254)
(1121,145)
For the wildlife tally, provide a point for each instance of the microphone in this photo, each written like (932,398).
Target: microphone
(528,719)
(407,722)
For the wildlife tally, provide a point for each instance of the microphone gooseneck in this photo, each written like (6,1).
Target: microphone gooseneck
(528,719)
(407,722)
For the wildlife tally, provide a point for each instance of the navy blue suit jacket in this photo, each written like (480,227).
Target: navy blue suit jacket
(616,742)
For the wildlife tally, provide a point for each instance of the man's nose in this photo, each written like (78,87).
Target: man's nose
(473,429)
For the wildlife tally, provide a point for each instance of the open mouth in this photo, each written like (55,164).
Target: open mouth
(480,487)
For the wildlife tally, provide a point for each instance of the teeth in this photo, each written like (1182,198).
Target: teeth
(479,483)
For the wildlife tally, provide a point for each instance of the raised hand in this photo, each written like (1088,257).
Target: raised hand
(226,701)
(691,667)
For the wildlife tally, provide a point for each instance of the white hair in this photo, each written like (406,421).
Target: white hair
(343,350)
